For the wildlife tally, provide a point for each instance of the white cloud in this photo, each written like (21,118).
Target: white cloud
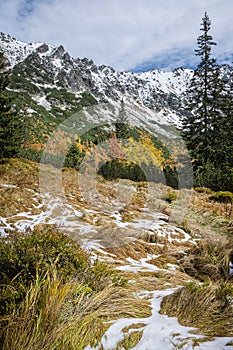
(120,33)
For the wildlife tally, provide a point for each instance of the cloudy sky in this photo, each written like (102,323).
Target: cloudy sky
(125,34)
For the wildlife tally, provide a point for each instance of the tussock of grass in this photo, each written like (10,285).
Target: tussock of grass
(130,340)
(207,307)
(158,280)
(135,250)
(57,315)
(208,260)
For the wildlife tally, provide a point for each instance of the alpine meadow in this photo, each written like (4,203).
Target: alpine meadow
(116,193)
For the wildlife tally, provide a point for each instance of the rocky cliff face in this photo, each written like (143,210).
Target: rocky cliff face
(43,64)
(40,68)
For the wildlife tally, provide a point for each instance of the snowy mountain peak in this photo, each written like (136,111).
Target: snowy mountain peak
(43,64)
(17,51)
(155,89)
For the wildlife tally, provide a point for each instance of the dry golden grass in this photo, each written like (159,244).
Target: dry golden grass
(209,259)
(192,210)
(207,307)
(157,280)
(67,316)
(20,172)
(135,250)
(16,200)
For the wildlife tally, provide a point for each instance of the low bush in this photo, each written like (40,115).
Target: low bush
(226,200)
(54,297)
(171,197)
(222,197)
(203,190)
(24,256)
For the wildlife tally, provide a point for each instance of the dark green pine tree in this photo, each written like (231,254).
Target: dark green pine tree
(206,103)
(10,126)
(122,123)
(226,137)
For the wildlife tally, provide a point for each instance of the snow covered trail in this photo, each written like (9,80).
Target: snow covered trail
(159,332)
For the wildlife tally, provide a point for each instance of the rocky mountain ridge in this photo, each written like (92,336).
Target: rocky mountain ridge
(157,90)
(43,70)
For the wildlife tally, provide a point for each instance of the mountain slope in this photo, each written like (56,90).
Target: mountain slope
(49,86)
(45,66)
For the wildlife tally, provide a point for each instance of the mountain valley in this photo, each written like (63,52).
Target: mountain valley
(165,282)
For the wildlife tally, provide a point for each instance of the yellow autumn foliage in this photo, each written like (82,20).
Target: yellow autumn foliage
(144,151)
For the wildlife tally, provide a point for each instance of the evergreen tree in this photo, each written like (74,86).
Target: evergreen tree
(207,127)
(122,124)
(205,97)
(226,127)
(10,126)
(74,156)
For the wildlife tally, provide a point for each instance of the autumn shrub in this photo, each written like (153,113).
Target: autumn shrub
(171,197)
(24,256)
(222,197)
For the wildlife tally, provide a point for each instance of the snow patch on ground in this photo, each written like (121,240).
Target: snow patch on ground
(140,265)
(8,186)
(159,333)
(41,100)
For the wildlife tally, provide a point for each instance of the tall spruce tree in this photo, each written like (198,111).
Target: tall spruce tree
(206,119)
(205,96)
(10,126)
(122,123)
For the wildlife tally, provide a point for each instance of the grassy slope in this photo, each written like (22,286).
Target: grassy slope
(207,261)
